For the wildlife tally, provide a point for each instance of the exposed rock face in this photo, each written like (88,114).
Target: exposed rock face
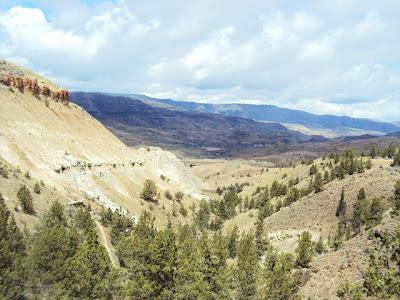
(32,86)
(68,149)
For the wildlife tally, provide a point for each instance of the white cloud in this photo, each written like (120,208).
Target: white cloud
(320,58)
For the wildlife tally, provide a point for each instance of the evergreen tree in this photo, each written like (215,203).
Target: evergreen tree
(214,253)
(247,268)
(361,194)
(341,208)
(87,271)
(327,177)
(396,159)
(190,282)
(25,198)
(261,239)
(304,250)
(375,212)
(36,188)
(318,182)
(149,191)
(233,242)
(12,256)
(373,151)
(397,197)
(320,246)
(360,212)
(279,282)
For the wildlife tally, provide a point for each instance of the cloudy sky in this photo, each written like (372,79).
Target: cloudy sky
(327,57)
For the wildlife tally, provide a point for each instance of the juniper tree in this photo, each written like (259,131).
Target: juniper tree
(25,198)
(247,268)
(375,212)
(233,242)
(12,256)
(341,208)
(304,250)
(149,191)
(318,183)
(397,197)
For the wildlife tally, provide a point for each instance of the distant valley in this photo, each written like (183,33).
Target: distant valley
(193,132)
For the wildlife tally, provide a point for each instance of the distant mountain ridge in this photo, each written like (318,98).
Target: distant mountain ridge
(137,123)
(272,113)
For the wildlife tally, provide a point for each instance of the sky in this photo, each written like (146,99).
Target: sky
(326,57)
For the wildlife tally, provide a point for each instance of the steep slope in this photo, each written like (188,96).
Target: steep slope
(139,123)
(326,125)
(68,149)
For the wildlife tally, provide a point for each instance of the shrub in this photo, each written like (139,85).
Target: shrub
(183,210)
(168,195)
(27,175)
(36,188)
(149,191)
(179,196)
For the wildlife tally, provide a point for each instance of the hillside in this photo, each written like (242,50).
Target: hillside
(327,125)
(62,145)
(314,213)
(137,123)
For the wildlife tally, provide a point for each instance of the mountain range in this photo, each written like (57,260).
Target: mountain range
(139,123)
(326,125)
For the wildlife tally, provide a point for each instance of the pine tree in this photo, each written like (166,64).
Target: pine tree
(396,159)
(25,198)
(261,240)
(327,177)
(149,191)
(360,212)
(361,194)
(341,208)
(233,242)
(190,282)
(320,246)
(375,212)
(36,188)
(318,182)
(88,269)
(247,268)
(12,256)
(279,282)
(304,250)
(214,253)
(397,197)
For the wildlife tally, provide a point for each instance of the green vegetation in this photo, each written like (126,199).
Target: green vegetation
(25,199)
(36,188)
(304,250)
(149,191)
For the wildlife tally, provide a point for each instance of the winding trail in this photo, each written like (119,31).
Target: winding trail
(109,248)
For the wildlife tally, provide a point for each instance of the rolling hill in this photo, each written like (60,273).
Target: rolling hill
(326,125)
(66,148)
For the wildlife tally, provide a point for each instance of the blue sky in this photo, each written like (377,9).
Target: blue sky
(326,57)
